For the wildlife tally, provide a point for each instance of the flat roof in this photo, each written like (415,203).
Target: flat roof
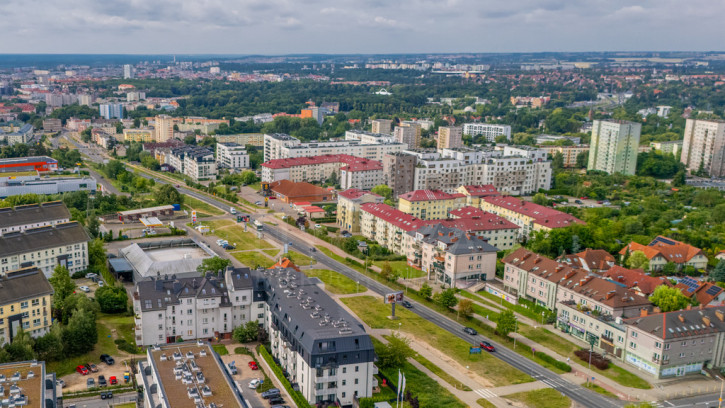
(171,254)
(31,386)
(151,222)
(146,210)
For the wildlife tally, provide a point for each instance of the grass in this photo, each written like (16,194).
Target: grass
(201,206)
(373,312)
(402,269)
(220,349)
(126,405)
(105,345)
(484,403)
(232,232)
(253,259)
(121,325)
(271,252)
(600,390)
(543,398)
(299,259)
(335,282)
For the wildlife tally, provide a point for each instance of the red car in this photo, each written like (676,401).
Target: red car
(113,380)
(82,370)
(487,346)
(253,365)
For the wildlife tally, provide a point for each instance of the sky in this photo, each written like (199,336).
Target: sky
(358,26)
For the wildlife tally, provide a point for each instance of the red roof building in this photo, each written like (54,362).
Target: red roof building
(663,250)
(636,279)
(529,216)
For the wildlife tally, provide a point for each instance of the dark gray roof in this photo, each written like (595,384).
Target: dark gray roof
(157,294)
(457,242)
(682,323)
(33,213)
(23,284)
(35,239)
(240,278)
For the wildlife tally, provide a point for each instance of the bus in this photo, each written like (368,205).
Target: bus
(258,225)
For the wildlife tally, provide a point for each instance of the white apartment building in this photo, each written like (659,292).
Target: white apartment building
(353,172)
(281,146)
(195,162)
(382,126)
(704,146)
(23,217)
(614,146)
(369,137)
(232,156)
(488,130)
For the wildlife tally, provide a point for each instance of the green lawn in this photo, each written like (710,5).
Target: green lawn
(105,345)
(373,312)
(253,259)
(271,252)
(220,349)
(484,403)
(201,206)
(234,233)
(299,259)
(335,282)
(600,390)
(543,398)
(402,268)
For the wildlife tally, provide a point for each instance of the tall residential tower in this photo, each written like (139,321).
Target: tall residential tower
(704,146)
(614,146)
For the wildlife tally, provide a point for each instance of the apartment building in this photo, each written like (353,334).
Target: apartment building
(164,127)
(386,225)
(408,135)
(450,137)
(369,137)
(194,161)
(614,145)
(663,250)
(353,172)
(568,153)
(703,147)
(348,207)
(232,156)
(25,303)
(111,110)
(591,260)
(51,125)
(673,147)
(244,139)
(45,247)
(636,280)
(499,232)
(399,172)
(489,131)
(430,204)
(382,126)
(23,135)
(281,146)
(449,255)
(145,135)
(474,193)
(23,217)
(364,175)
(528,216)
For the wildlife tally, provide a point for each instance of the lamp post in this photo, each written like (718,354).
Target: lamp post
(357,286)
(719,401)
(542,318)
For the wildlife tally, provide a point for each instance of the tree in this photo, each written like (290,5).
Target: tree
(248,177)
(349,245)
(679,178)
(447,298)
(395,353)
(668,299)
(112,299)
(718,273)
(383,190)
(247,332)
(213,265)
(582,159)
(540,198)
(50,346)
(168,194)
(80,335)
(21,349)
(333,179)
(426,291)
(386,271)
(506,323)
(63,287)
(638,260)
(465,308)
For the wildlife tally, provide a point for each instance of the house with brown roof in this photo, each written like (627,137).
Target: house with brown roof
(706,293)
(529,216)
(663,250)
(636,279)
(291,192)
(592,260)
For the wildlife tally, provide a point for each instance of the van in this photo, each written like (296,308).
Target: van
(232,210)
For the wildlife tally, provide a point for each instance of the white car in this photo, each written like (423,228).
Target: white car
(84,288)
(255,383)
(318,226)
(100,283)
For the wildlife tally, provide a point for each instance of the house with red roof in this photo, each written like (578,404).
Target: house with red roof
(291,192)
(474,193)
(387,225)
(636,279)
(706,293)
(663,250)
(430,204)
(591,260)
(530,217)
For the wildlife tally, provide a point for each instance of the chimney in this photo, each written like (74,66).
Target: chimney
(720,315)
(681,317)
(620,279)
(706,320)
(656,310)
(643,313)
(689,307)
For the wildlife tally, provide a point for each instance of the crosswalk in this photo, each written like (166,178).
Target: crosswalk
(484,393)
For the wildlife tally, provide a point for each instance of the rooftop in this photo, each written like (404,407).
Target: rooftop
(35,239)
(457,242)
(427,195)
(355,162)
(29,378)
(590,259)
(157,294)
(682,323)
(33,213)
(355,193)
(481,190)
(544,216)
(291,189)
(404,221)
(668,248)
(23,284)
(635,279)
(168,257)
(704,292)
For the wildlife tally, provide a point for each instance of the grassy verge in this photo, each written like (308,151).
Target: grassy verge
(402,269)
(253,259)
(335,282)
(296,396)
(299,259)
(220,349)
(201,206)
(484,403)
(600,390)
(543,398)
(271,252)
(234,233)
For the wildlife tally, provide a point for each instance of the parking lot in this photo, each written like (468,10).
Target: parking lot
(78,382)
(244,376)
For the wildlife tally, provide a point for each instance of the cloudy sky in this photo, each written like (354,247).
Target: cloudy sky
(357,26)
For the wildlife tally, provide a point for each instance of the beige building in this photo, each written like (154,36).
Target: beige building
(382,126)
(399,172)
(704,146)
(254,139)
(25,303)
(348,207)
(408,135)
(387,226)
(569,153)
(450,137)
(164,127)
(614,146)
(528,216)
(663,250)
(139,135)
(430,204)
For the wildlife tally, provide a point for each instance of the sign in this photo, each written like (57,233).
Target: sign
(193,216)
(474,350)
(395,297)
(265,186)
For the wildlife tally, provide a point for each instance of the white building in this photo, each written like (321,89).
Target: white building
(128,71)
(704,146)
(232,156)
(613,146)
(195,162)
(488,130)
(281,146)
(352,172)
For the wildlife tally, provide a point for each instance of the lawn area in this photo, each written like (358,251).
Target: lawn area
(271,252)
(299,259)
(401,267)
(253,259)
(600,390)
(220,349)
(201,206)
(335,282)
(234,233)
(373,312)
(543,398)
(105,345)
(121,325)
(484,403)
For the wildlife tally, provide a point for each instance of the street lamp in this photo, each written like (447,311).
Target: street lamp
(719,401)
(399,326)
(542,318)
(357,286)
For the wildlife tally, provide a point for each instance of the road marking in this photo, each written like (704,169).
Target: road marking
(485,393)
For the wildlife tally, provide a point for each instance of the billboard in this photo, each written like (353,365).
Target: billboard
(394,297)
(193,216)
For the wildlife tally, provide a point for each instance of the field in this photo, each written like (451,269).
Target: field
(234,233)
(402,269)
(334,282)
(201,207)
(543,398)
(253,259)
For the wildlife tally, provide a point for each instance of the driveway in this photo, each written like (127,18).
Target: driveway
(245,375)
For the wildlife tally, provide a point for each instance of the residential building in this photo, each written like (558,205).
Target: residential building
(407,135)
(313,112)
(164,127)
(281,146)
(474,193)
(18,185)
(663,250)
(32,386)
(568,153)
(449,255)
(399,172)
(703,147)
(145,135)
(292,192)
(128,71)
(45,247)
(185,374)
(348,207)
(591,260)
(25,303)
(386,225)
(430,204)
(369,138)
(450,137)
(232,156)
(353,172)
(51,125)
(541,139)
(111,110)
(23,164)
(496,230)
(23,135)
(489,131)
(672,147)
(194,161)
(703,293)
(382,126)
(530,101)
(530,217)
(244,139)
(135,96)
(365,175)
(663,111)
(23,217)
(613,147)
(636,280)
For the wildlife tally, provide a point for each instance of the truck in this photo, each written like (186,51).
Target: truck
(232,210)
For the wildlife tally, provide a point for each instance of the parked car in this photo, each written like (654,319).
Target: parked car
(82,370)
(60,383)
(107,395)
(113,380)
(90,383)
(91,275)
(232,368)
(406,304)
(229,247)
(92,367)
(84,288)
(257,203)
(577,201)
(470,330)
(280,406)
(107,359)
(102,381)
(277,400)
(255,383)
(253,365)
(313,249)
(487,346)
(270,393)
(100,284)
(318,226)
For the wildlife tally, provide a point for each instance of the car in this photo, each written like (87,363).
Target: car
(60,383)
(92,367)
(280,406)
(84,288)
(91,275)
(113,380)
(406,304)
(253,365)
(107,395)
(470,330)
(272,197)
(257,203)
(272,392)
(82,370)
(318,226)
(107,359)
(100,284)
(177,186)
(232,368)
(313,249)
(229,247)
(577,201)
(255,383)
(90,383)
(102,381)
(276,400)
(487,346)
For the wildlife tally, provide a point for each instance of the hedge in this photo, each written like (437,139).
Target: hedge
(556,363)
(297,396)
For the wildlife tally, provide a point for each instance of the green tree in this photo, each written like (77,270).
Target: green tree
(168,194)
(638,260)
(678,179)
(386,272)
(112,299)
(582,160)
(426,291)
(81,334)
(447,298)
(21,349)
(501,139)
(333,179)
(669,299)
(248,177)
(50,346)
(247,332)
(540,198)
(465,308)
(213,265)
(63,286)
(718,273)
(395,353)
(506,323)
(383,190)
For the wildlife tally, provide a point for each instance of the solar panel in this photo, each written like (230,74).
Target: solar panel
(714,290)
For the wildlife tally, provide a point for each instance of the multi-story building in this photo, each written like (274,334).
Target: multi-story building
(164,127)
(353,172)
(386,225)
(244,139)
(18,185)
(703,147)
(369,137)
(348,207)
(382,126)
(474,193)
(499,232)
(23,217)
(408,135)
(673,147)
(399,172)
(614,145)
(198,162)
(430,204)
(51,125)
(489,131)
(574,140)
(139,135)
(636,280)
(45,247)
(449,254)
(535,277)
(450,137)
(34,163)
(591,260)
(232,156)
(364,175)
(25,303)
(111,110)
(703,293)
(281,146)
(569,153)
(529,216)
(663,250)
(127,71)
(22,135)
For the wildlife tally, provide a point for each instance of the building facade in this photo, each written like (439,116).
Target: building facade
(569,153)
(408,135)
(111,110)
(613,147)
(352,172)
(374,147)
(530,217)
(382,126)
(232,156)
(450,137)
(348,207)
(399,172)
(139,135)
(25,303)
(430,204)
(703,147)
(23,217)
(489,131)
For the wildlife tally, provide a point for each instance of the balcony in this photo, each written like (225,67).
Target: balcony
(326,391)
(325,379)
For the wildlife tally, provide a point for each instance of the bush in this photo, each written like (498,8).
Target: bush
(79,274)
(556,363)
(243,350)
(598,360)
(123,345)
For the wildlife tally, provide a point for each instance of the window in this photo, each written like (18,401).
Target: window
(658,344)
(682,355)
(632,345)
(344,383)
(634,335)
(356,381)
(357,369)
(667,346)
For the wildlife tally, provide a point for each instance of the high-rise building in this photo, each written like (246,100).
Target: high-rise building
(704,147)
(128,71)
(85,99)
(409,135)
(382,126)
(488,130)
(111,110)
(450,137)
(164,125)
(614,146)
(399,172)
